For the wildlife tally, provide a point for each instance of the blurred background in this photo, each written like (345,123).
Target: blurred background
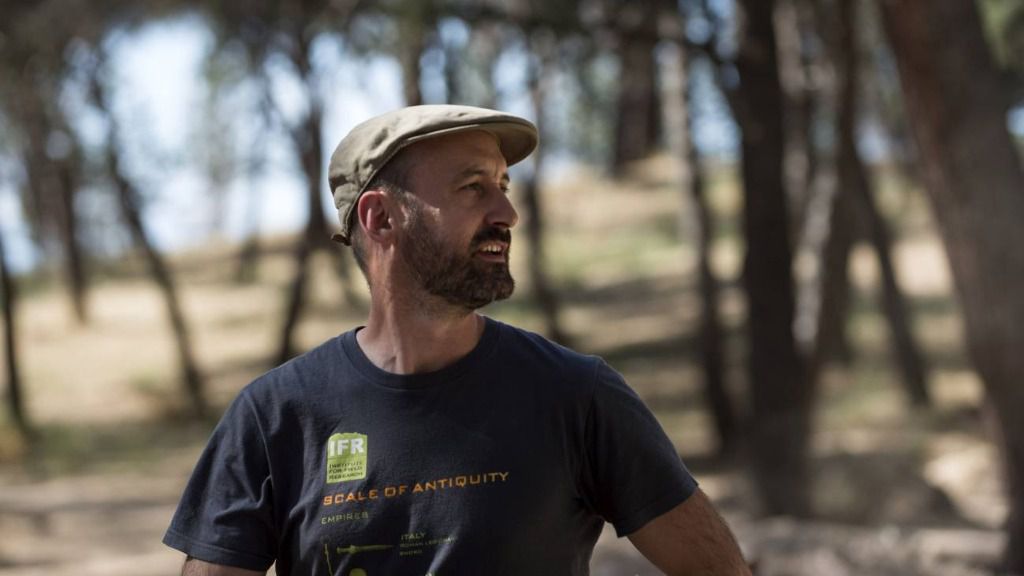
(796,226)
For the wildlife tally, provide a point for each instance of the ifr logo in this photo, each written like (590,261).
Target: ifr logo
(346,457)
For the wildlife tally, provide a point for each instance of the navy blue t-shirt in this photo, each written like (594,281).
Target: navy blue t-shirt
(506,462)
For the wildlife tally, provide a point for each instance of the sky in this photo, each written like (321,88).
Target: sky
(160,92)
(161,96)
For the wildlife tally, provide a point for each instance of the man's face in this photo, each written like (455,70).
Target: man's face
(456,236)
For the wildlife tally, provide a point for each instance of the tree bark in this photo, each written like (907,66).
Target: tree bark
(52,185)
(309,146)
(908,354)
(854,181)
(315,231)
(780,397)
(856,198)
(73,260)
(249,256)
(799,100)
(679,95)
(15,397)
(485,44)
(637,110)
(830,335)
(128,200)
(543,293)
(412,41)
(957,108)
(412,46)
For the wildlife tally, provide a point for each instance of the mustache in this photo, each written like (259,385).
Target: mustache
(492,234)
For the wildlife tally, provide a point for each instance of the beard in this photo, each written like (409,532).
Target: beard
(458,278)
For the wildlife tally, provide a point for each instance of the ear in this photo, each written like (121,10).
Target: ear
(375,211)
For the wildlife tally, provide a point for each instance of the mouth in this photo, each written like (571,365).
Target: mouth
(492,251)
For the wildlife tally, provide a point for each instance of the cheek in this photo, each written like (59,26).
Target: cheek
(457,230)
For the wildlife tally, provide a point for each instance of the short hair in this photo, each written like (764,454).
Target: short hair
(393,179)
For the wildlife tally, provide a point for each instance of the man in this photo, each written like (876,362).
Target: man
(434,440)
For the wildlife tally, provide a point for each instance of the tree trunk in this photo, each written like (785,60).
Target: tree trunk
(780,397)
(73,261)
(855,182)
(411,44)
(543,293)
(308,242)
(128,200)
(51,191)
(855,198)
(974,179)
(637,112)
(485,44)
(412,51)
(127,197)
(830,334)
(799,104)
(908,353)
(307,140)
(249,256)
(679,96)
(296,299)
(15,399)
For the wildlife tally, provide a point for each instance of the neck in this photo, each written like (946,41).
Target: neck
(408,334)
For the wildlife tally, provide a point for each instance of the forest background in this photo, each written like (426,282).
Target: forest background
(796,226)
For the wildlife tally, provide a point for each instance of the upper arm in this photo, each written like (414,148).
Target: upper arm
(691,539)
(631,472)
(226,514)
(196,567)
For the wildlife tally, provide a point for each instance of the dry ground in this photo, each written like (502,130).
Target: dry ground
(897,491)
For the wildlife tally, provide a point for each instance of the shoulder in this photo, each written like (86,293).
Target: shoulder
(523,342)
(298,381)
(525,350)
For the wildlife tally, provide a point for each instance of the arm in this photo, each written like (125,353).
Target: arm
(195,567)
(691,539)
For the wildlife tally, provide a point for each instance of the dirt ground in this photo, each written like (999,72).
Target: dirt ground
(897,491)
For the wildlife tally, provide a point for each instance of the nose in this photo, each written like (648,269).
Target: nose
(502,214)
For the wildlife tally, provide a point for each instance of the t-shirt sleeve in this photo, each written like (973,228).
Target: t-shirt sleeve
(225,515)
(632,472)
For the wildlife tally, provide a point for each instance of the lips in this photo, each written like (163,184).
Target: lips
(492,244)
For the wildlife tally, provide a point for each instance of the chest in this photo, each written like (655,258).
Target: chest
(423,485)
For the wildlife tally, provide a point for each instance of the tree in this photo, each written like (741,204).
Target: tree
(855,204)
(129,202)
(9,293)
(415,20)
(711,333)
(637,108)
(679,96)
(802,99)
(957,107)
(780,398)
(32,66)
(288,30)
(543,45)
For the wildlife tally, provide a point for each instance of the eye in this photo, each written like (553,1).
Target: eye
(475,187)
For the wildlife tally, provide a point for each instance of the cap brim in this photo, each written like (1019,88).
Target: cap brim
(515,140)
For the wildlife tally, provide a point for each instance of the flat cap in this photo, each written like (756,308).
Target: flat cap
(370,145)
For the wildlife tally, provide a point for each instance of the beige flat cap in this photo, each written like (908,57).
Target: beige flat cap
(370,145)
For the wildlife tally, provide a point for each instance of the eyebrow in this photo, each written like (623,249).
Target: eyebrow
(481,172)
